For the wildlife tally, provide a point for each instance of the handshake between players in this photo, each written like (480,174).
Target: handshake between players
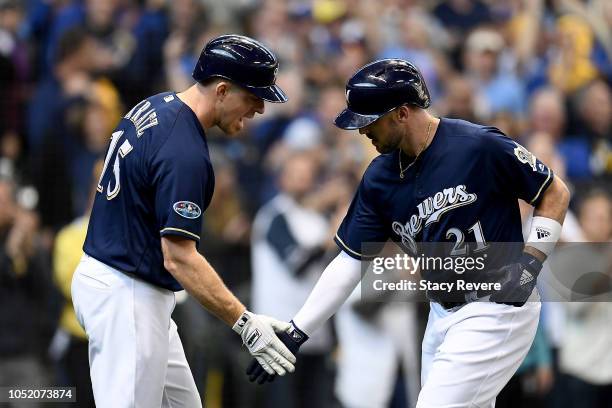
(258,334)
(123,289)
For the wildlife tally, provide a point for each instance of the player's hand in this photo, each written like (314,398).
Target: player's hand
(258,335)
(292,338)
(518,281)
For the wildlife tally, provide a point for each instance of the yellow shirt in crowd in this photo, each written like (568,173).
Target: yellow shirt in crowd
(66,256)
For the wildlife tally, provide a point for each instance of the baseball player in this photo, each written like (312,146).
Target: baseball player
(145,226)
(442,180)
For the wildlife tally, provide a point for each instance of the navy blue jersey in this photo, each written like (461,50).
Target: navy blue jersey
(157,180)
(464,186)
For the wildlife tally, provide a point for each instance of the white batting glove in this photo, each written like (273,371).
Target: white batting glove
(258,335)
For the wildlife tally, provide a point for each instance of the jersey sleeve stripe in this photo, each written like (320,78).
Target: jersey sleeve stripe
(535,199)
(346,248)
(182,231)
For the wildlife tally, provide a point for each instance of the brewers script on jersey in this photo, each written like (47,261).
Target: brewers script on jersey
(466,182)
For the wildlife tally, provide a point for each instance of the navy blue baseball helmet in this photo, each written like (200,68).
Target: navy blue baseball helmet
(380,87)
(242,60)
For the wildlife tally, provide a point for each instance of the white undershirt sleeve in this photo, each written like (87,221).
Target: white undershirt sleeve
(331,291)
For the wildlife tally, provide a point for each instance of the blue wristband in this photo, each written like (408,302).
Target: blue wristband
(297,335)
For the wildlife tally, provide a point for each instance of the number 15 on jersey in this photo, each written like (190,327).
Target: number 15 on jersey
(124,149)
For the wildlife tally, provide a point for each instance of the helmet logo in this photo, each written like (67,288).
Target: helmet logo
(275,71)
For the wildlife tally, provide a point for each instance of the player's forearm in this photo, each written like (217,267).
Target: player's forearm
(548,219)
(202,282)
(331,291)
(555,201)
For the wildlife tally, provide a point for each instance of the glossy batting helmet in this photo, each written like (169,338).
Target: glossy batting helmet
(244,61)
(380,87)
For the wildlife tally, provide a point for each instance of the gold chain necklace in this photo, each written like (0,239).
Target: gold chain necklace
(402,171)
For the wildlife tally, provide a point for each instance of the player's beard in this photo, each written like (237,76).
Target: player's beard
(392,144)
(384,149)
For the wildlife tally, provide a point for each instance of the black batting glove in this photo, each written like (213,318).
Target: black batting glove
(293,338)
(518,281)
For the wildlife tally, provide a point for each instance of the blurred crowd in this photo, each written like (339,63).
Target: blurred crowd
(540,70)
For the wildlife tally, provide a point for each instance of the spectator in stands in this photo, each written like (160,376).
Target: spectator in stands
(26,317)
(354,49)
(414,44)
(585,352)
(547,113)
(373,345)
(265,147)
(72,349)
(11,156)
(184,43)
(69,80)
(126,43)
(588,152)
(498,90)
(289,242)
(129,37)
(459,100)
(596,114)
(571,67)
(14,67)
(461,16)
(70,151)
